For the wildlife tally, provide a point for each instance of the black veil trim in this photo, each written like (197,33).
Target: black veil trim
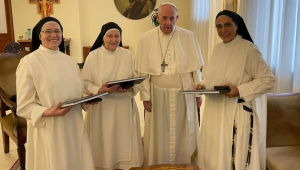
(36,42)
(99,41)
(239,21)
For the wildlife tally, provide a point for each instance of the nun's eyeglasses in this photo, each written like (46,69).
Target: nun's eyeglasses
(226,25)
(48,32)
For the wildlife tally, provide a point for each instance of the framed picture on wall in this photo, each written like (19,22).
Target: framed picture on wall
(230,5)
(135,9)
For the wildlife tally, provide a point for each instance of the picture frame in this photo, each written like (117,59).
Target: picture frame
(134,9)
(230,5)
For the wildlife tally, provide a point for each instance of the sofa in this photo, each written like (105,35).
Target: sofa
(283,131)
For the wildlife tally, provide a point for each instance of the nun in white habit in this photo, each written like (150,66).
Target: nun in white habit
(113,125)
(232,132)
(56,138)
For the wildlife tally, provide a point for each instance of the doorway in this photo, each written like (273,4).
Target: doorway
(6,34)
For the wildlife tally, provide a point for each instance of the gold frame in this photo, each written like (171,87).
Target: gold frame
(230,5)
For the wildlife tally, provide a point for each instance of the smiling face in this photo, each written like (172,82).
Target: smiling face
(226,28)
(112,40)
(167,17)
(51,40)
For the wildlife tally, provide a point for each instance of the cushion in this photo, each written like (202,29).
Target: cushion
(7,123)
(283,158)
(283,122)
(8,65)
(8,68)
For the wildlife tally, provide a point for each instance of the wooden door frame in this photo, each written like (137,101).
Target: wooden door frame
(9,35)
(9,20)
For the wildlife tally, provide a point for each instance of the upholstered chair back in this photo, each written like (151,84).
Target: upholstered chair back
(283,122)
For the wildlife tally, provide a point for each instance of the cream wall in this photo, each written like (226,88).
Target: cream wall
(67,12)
(82,21)
(99,12)
(24,16)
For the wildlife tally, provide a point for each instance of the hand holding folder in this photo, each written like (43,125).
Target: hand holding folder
(223,89)
(93,98)
(217,90)
(127,83)
(56,110)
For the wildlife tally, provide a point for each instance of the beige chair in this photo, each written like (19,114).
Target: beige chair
(12,125)
(283,132)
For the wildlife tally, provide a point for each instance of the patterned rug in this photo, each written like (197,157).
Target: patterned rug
(15,166)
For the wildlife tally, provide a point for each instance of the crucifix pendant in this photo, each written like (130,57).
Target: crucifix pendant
(163,65)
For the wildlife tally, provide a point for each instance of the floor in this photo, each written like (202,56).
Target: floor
(8,159)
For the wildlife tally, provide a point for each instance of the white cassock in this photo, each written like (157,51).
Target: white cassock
(113,125)
(238,63)
(171,128)
(44,78)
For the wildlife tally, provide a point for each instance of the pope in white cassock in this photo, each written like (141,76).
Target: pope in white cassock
(233,128)
(56,138)
(113,125)
(170,57)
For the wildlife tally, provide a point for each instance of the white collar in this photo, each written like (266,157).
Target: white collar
(107,51)
(48,50)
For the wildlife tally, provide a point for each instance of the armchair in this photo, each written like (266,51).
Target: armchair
(12,125)
(283,131)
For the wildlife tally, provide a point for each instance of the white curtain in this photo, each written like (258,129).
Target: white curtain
(202,24)
(203,13)
(274,26)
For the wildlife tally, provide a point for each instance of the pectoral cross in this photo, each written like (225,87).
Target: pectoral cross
(163,65)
